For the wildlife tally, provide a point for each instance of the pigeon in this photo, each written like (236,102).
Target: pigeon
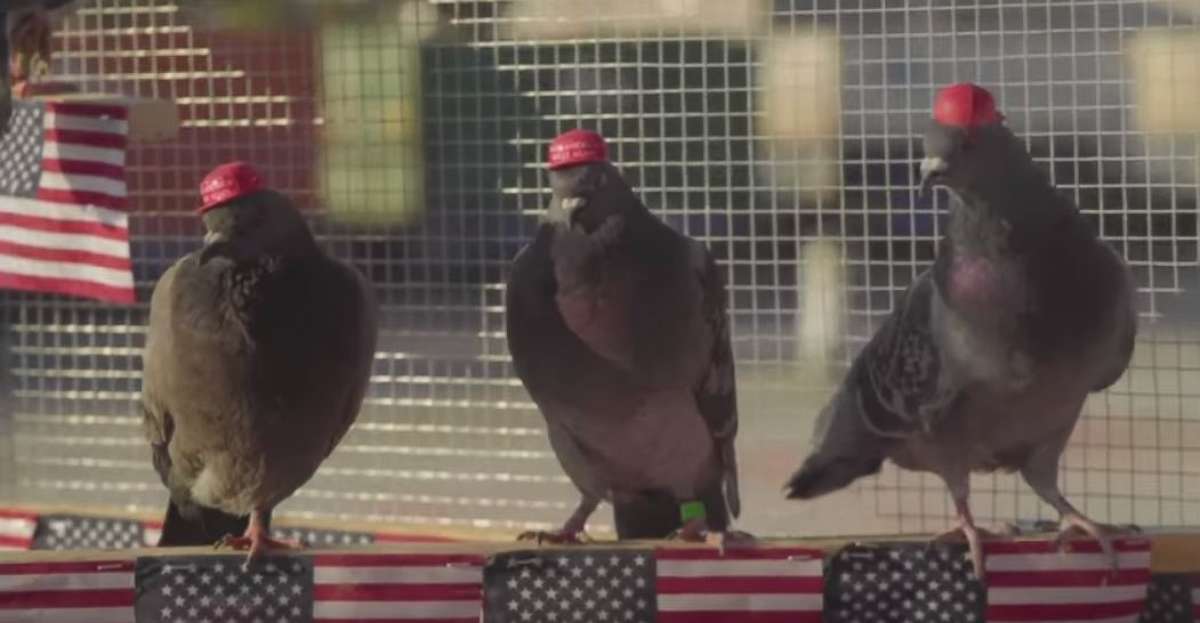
(257,360)
(987,358)
(617,328)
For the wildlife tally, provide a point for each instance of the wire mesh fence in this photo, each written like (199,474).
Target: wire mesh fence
(784,134)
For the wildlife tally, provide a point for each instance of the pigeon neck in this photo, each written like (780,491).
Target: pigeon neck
(1006,212)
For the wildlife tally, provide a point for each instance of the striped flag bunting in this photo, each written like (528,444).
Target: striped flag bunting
(776,585)
(67,592)
(1033,581)
(442,588)
(63,226)
(654,586)
(902,582)
(17,529)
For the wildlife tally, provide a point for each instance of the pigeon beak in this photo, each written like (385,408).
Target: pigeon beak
(573,206)
(931,169)
(214,244)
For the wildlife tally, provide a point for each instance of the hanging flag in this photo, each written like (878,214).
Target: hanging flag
(67,591)
(669,585)
(63,225)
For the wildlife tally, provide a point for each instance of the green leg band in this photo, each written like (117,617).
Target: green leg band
(692,510)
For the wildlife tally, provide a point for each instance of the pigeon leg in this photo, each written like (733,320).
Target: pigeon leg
(256,540)
(1041,473)
(967,530)
(959,485)
(572,531)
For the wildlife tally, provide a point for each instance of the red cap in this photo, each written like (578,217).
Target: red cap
(227,182)
(965,105)
(574,147)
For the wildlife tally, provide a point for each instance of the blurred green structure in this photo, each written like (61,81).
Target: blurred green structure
(372,155)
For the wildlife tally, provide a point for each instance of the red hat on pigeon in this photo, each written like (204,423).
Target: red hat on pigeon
(228,182)
(576,147)
(965,105)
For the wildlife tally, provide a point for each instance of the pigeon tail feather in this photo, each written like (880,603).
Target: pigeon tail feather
(825,474)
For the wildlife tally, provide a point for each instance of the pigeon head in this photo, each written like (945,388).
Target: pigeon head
(246,221)
(965,139)
(587,188)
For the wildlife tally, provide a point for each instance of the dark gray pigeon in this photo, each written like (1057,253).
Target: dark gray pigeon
(617,327)
(257,360)
(988,357)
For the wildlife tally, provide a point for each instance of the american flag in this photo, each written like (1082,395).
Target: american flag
(673,585)
(751,585)
(902,582)
(1172,598)
(429,588)
(59,532)
(17,529)
(67,592)
(1033,581)
(63,228)
(333,588)
(1027,581)
(199,589)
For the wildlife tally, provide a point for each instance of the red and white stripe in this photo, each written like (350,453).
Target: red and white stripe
(774,585)
(67,592)
(17,529)
(1033,581)
(74,237)
(68,175)
(151,532)
(447,588)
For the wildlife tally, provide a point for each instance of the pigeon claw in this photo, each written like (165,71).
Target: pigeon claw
(255,543)
(1073,524)
(966,531)
(692,531)
(556,537)
(974,537)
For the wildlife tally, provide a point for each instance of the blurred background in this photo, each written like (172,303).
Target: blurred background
(784,133)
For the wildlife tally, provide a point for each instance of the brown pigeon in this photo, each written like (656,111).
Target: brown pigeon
(257,361)
(988,357)
(617,327)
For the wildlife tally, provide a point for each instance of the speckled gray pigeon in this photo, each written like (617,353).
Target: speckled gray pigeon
(988,357)
(617,327)
(257,361)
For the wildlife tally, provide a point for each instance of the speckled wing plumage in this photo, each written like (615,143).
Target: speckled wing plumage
(253,376)
(716,395)
(905,384)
